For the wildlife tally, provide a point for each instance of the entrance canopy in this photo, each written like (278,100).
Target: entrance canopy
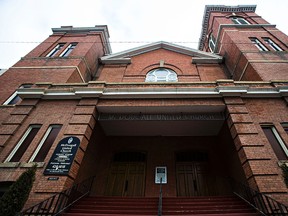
(161,121)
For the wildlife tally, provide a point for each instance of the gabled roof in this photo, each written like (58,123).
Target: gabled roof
(124,57)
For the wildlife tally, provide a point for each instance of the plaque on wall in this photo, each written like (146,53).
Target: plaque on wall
(62,157)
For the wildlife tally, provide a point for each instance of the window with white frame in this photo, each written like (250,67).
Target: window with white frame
(239,21)
(45,144)
(68,50)
(272,44)
(258,44)
(14,98)
(23,144)
(212,42)
(276,142)
(285,127)
(161,75)
(55,50)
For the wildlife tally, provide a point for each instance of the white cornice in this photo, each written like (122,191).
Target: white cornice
(124,56)
(103,29)
(160,92)
(220,8)
(196,60)
(116,61)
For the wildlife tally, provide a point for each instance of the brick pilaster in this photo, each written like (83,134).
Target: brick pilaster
(81,125)
(261,172)
(15,119)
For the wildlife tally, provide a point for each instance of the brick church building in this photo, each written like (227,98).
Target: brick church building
(195,117)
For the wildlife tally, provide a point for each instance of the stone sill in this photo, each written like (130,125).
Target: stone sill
(20,164)
(282,162)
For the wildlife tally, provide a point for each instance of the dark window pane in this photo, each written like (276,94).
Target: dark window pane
(55,50)
(68,50)
(21,150)
(47,144)
(15,100)
(212,42)
(274,143)
(235,21)
(242,21)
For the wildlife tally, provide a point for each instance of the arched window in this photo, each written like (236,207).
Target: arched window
(240,21)
(212,42)
(161,75)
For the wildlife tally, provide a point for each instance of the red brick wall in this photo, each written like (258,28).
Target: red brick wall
(251,151)
(77,119)
(234,44)
(256,155)
(35,67)
(46,113)
(142,64)
(239,53)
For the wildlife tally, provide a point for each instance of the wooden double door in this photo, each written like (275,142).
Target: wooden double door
(126,179)
(192,179)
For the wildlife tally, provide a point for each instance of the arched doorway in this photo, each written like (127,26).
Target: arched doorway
(127,174)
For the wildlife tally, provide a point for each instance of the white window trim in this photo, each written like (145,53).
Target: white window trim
(42,142)
(15,94)
(272,44)
(238,22)
(279,139)
(153,72)
(10,98)
(213,42)
(259,45)
(67,48)
(20,142)
(57,47)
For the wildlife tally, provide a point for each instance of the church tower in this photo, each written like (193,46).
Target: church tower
(69,55)
(161,113)
(254,50)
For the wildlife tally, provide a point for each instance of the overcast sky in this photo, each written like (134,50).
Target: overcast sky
(26,23)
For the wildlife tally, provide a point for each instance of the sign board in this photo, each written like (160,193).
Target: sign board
(63,156)
(161,175)
(160,117)
(53,179)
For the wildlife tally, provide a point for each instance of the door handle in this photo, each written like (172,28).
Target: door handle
(195,185)
(126,186)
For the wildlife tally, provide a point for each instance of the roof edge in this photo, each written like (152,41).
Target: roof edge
(220,8)
(157,90)
(157,45)
(98,28)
